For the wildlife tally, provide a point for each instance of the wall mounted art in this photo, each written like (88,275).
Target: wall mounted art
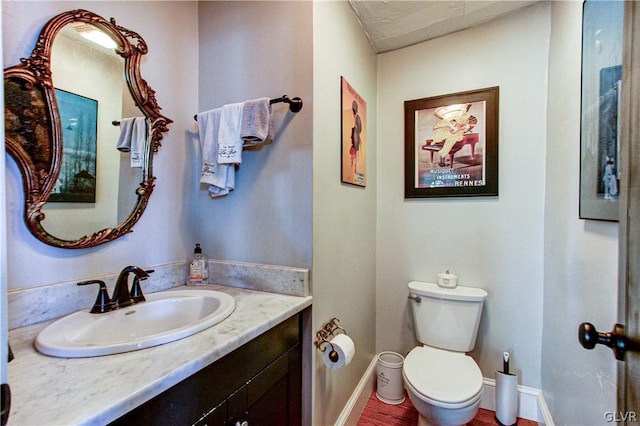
(354,135)
(451,145)
(602,39)
(79,120)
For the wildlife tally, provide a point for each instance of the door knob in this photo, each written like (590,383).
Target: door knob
(616,339)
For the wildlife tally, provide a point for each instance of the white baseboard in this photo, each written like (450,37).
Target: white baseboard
(358,400)
(531,403)
(543,411)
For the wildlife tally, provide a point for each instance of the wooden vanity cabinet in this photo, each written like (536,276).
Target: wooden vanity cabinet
(259,383)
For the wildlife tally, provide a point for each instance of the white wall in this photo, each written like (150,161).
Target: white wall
(344,216)
(250,50)
(581,256)
(163,234)
(491,242)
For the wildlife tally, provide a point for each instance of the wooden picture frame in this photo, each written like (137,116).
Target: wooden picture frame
(451,145)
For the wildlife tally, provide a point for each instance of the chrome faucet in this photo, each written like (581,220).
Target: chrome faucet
(122,297)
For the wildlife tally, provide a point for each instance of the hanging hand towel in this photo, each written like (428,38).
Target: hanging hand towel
(229,141)
(124,140)
(139,142)
(256,121)
(212,172)
(133,138)
(230,181)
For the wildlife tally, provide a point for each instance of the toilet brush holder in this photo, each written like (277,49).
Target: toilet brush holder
(506,398)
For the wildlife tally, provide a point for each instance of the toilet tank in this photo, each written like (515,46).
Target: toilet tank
(446,318)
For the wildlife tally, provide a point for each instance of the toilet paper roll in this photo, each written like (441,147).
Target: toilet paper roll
(344,348)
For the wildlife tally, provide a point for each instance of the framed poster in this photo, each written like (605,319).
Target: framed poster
(602,39)
(79,119)
(354,135)
(451,145)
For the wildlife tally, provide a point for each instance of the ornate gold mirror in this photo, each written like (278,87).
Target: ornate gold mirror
(83,125)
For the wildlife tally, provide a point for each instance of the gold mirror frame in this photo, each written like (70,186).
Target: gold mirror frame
(36,143)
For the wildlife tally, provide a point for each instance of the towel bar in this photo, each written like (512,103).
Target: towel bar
(295,104)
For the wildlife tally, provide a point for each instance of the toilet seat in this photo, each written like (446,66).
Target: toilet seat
(443,378)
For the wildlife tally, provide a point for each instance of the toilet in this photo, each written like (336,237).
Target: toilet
(443,382)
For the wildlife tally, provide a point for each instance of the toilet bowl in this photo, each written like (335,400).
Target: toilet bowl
(444,386)
(443,382)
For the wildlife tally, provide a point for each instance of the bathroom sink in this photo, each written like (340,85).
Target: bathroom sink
(165,317)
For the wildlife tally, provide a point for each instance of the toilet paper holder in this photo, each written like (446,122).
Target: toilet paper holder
(325,334)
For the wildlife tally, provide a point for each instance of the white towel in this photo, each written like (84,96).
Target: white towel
(229,141)
(256,121)
(229,171)
(139,142)
(213,173)
(134,139)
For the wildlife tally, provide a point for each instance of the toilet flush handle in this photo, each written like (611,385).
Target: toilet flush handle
(415,298)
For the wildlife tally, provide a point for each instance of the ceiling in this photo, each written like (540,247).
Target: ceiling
(393,24)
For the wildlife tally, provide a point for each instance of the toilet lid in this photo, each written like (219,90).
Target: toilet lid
(449,377)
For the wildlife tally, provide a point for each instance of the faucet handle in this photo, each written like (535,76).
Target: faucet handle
(136,290)
(103,303)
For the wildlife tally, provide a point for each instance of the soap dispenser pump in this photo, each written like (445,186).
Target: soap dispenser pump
(198,268)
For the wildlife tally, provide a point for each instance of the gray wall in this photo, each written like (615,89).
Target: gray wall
(580,255)
(3,259)
(495,243)
(292,185)
(545,269)
(344,216)
(249,50)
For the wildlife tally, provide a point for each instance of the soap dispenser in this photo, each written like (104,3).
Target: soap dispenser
(198,268)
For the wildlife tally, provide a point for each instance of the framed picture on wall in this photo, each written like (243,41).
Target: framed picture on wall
(354,135)
(79,119)
(602,39)
(451,145)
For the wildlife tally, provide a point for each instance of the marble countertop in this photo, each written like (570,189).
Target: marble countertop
(90,391)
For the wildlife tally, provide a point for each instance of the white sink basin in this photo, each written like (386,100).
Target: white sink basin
(165,317)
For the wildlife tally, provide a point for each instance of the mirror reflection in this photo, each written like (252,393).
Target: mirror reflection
(83,125)
(96,185)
